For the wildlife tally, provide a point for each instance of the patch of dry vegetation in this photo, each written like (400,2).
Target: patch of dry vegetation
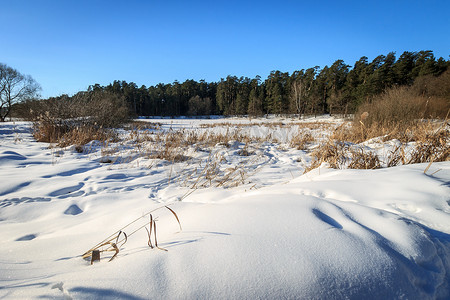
(364,159)
(302,140)
(400,111)
(426,144)
(142,125)
(78,120)
(277,124)
(407,114)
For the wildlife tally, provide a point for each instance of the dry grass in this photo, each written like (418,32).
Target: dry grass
(363,159)
(433,147)
(82,136)
(423,142)
(302,140)
(142,125)
(181,146)
(358,132)
(63,135)
(117,240)
(332,152)
(399,112)
(215,171)
(396,157)
(273,125)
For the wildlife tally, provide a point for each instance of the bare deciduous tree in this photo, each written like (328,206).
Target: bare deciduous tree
(14,88)
(297,95)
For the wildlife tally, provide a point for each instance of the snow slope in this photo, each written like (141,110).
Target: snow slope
(327,234)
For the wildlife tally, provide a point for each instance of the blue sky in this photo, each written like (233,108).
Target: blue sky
(68,45)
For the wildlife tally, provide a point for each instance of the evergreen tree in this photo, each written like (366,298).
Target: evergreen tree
(403,68)
(277,92)
(226,95)
(256,97)
(320,92)
(336,77)
(425,64)
(355,78)
(242,96)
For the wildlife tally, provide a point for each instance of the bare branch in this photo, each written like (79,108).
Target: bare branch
(14,88)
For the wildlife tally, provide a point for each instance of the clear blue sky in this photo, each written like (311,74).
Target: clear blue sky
(68,45)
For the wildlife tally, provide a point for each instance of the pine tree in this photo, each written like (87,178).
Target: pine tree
(256,97)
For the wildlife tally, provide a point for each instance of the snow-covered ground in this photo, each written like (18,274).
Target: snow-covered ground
(278,234)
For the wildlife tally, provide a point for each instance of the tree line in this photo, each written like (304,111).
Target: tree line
(335,89)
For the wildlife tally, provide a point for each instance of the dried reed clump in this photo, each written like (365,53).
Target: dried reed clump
(215,171)
(272,125)
(206,174)
(342,155)
(118,239)
(345,132)
(142,125)
(301,140)
(173,155)
(333,152)
(425,141)
(434,147)
(82,136)
(362,159)
(48,132)
(430,143)
(246,150)
(395,106)
(358,132)
(169,146)
(63,135)
(396,157)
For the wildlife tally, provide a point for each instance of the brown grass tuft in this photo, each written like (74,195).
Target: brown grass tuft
(332,152)
(363,159)
(434,147)
(302,140)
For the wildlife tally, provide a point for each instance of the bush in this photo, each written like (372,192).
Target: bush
(77,120)
(399,111)
(396,106)
(430,86)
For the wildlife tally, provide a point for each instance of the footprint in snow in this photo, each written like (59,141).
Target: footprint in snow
(27,237)
(118,176)
(67,190)
(17,201)
(73,210)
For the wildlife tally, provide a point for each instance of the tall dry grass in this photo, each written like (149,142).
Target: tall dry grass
(416,116)
(400,112)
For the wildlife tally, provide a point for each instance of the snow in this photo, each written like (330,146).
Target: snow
(326,234)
